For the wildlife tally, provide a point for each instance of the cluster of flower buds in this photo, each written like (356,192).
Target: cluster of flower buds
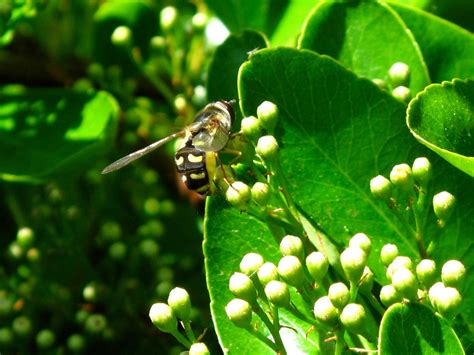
(420,282)
(399,78)
(165,317)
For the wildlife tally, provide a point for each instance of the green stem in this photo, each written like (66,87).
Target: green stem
(181,338)
(354,288)
(419,213)
(339,342)
(376,304)
(293,310)
(274,331)
(189,331)
(263,339)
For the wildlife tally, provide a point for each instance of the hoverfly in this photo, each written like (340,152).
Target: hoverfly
(196,159)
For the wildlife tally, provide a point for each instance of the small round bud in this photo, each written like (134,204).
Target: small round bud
(149,248)
(157,43)
(25,237)
(405,283)
(278,293)
(426,272)
(339,295)
(22,326)
(260,193)
(163,318)
(199,21)
(15,250)
(402,177)
(45,338)
(443,205)
(95,323)
(448,301)
(267,272)
(33,255)
(6,306)
(366,281)
(118,251)
(434,291)
(242,287)
(381,84)
(402,94)
(250,263)
(381,188)
(267,112)
(399,74)
(199,349)
(362,241)
(91,292)
(291,245)
(239,312)
(76,342)
(422,170)
(267,148)
(353,261)
(453,274)
(238,194)
(250,127)
(388,253)
(317,265)
(180,303)
(199,95)
(6,336)
(389,295)
(325,311)
(353,318)
(400,262)
(291,270)
(180,103)
(96,71)
(122,36)
(168,16)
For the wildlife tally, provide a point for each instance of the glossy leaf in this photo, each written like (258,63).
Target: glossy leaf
(366,37)
(414,329)
(442,118)
(448,50)
(46,133)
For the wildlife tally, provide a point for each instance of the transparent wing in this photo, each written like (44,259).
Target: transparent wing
(119,164)
(211,141)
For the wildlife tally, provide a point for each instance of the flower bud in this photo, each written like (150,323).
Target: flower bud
(389,295)
(76,343)
(199,21)
(6,337)
(6,305)
(426,272)
(402,94)
(354,318)
(278,293)
(267,113)
(448,302)
(25,237)
(242,287)
(45,338)
(239,312)
(118,251)
(267,148)
(291,270)
(122,36)
(353,261)
(388,253)
(157,43)
(163,318)
(381,84)
(366,281)
(250,127)
(399,74)
(422,170)
(291,245)
(250,263)
(381,188)
(238,194)
(22,326)
(168,16)
(325,311)
(180,303)
(362,241)
(339,295)
(317,265)
(199,349)
(402,177)
(453,274)
(405,283)
(267,272)
(443,205)
(260,193)
(149,248)
(400,262)
(95,323)
(434,292)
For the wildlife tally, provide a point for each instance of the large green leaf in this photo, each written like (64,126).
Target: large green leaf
(442,118)
(448,50)
(45,133)
(413,329)
(367,37)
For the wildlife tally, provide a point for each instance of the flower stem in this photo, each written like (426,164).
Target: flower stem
(339,342)
(189,331)
(181,338)
(272,327)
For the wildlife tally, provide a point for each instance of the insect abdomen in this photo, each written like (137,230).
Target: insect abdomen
(191,167)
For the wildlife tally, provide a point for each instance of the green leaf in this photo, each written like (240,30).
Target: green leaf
(223,70)
(45,133)
(366,37)
(448,50)
(442,118)
(413,329)
(228,236)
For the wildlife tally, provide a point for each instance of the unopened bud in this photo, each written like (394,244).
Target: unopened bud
(260,193)
(22,326)
(381,84)
(199,21)
(389,295)
(122,36)
(426,272)
(388,253)
(242,287)
(405,283)
(168,16)
(250,263)
(45,338)
(366,281)
(238,194)
(354,318)
(453,274)
(267,148)
(291,270)
(339,295)
(317,265)
(267,113)
(163,318)
(402,177)
(399,74)
(443,205)
(199,349)
(448,302)
(25,237)
(250,127)
(267,272)
(434,292)
(325,311)
(180,303)
(402,94)
(362,241)
(353,261)
(400,262)
(381,188)
(278,293)
(239,312)
(291,245)
(422,170)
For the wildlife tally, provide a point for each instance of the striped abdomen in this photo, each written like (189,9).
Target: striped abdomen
(191,167)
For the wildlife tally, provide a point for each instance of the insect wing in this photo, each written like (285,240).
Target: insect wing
(211,141)
(139,153)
